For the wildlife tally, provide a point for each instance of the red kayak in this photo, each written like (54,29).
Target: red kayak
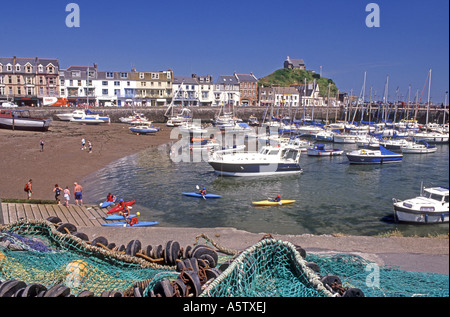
(119,208)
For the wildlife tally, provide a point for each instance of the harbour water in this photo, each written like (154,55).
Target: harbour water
(331,195)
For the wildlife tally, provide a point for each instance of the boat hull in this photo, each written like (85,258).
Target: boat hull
(358,159)
(313,152)
(272,203)
(255,169)
(413,216)
(29,124)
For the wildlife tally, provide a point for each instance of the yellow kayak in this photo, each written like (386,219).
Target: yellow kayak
(272,203)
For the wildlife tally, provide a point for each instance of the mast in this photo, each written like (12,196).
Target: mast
(428,102)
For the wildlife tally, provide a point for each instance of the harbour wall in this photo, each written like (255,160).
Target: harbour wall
(206,114)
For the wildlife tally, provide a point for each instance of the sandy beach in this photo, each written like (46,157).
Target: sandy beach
(63,162)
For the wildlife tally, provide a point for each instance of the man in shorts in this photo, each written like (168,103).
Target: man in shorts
(78,190)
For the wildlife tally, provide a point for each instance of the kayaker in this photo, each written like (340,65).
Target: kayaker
(110,197)
(203,191)
(278,198)
(125,212)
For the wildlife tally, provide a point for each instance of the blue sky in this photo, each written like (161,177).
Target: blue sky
(221,37)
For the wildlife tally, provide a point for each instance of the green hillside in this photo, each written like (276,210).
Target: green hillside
(285,77)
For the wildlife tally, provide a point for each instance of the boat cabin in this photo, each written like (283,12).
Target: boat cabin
(437,193)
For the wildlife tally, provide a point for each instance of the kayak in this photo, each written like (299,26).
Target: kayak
(119,208)
(118,217)
(125,224)
(107,203)
(200,195)
(272,203)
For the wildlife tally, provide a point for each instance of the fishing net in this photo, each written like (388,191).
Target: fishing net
(34,252)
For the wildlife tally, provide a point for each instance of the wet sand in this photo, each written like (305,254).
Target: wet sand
(63,162)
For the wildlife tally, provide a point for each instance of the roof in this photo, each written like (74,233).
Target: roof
(177,80)
(33,61)
(296,62)
(246,78)
(285,90)
(227,80)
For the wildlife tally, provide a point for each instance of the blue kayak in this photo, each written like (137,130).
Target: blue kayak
(118,217)
(125,224)
(198,195)
(107,203)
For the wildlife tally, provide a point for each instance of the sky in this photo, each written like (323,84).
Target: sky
(212,37)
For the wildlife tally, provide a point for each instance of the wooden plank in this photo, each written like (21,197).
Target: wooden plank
(12,213)
(28,212)
(59,213)
(44,211)
(36,212)
(20,211)
(79,215)
(99,214)
(89,216)
(5,213)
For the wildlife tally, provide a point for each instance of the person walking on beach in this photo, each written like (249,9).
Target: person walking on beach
(66,196)
(57,190)
(83,144)
(90,146)
(41,143)
(78,190)
(28,189)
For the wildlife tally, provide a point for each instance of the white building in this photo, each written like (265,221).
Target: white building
(185,91)
(114,88)
(77,84)
(226,91)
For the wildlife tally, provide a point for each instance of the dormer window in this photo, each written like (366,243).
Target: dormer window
(50,69)
(9,67)
(17,67)
(41,68)
(28,68)
(109,75)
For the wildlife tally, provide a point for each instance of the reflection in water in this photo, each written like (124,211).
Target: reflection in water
(332,196)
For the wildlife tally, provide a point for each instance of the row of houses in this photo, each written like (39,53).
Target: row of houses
(29,81)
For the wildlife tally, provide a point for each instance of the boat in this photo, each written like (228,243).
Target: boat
(126,224)
(320,150)
(107,203)
(118,217)
(272,203)
(432,206)
(179,119)
(21,120)
(133,117)
(198,195)
(88,117)
(367,156)
(119,208)
(420,147)
(144,128)
(432,137)
(269,160)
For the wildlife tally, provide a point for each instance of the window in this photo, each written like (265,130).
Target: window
(17,68)
(141,75)
(9,67)
(76,73)
(117,83)
(155,76)
(41,68)
(168,75)
(51,69)
(105,92)
(104,83)
(123,75)
(117,92)
(28,69)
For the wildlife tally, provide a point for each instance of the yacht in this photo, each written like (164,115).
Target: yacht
(269,160)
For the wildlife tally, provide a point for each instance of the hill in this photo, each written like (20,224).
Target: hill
(285,77)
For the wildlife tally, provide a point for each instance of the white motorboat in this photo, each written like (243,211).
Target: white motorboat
(67,116)
(269,160)
(432,206)
(321,150)
(89,118)
(432,137)
(420,147)
(366,156)
(133,117)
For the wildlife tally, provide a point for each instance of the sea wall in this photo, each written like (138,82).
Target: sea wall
(156,114)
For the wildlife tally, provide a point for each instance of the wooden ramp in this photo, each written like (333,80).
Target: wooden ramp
(80,216)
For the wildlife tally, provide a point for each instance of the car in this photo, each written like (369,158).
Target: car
(9,105)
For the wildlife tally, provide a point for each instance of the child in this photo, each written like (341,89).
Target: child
(57,190)
(66,196)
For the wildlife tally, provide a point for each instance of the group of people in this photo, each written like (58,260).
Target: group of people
(78,191)
(83,145)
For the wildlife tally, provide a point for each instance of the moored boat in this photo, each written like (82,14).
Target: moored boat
(144,128)
(420,147)
(432,206)
(367,156)
(269,160)
(320,150)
